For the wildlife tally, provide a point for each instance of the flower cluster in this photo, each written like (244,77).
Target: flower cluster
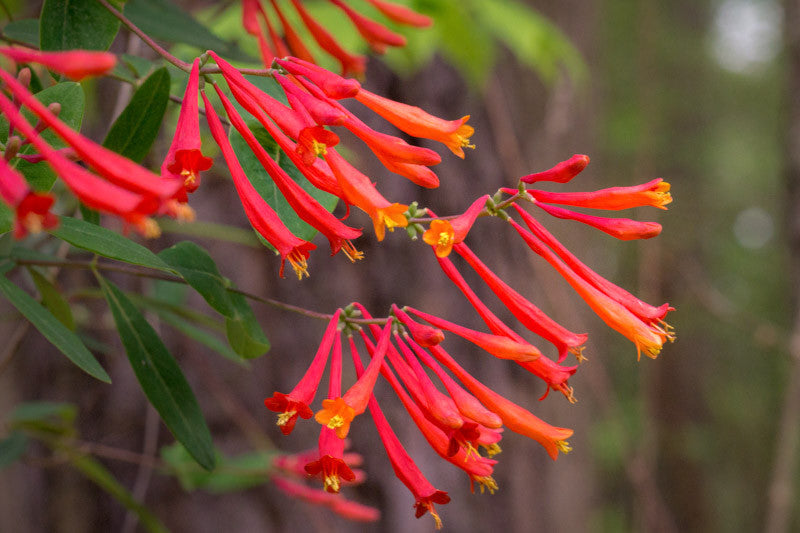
(274,43)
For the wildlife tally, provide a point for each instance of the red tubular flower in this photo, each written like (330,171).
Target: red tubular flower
(263,218)
(527,313)
(112,166)
(321,112)
(390,147)
(643,310)
(647,337)
(32,210)
(184,159)
(277,43)
(454,134)
(562,172)
(296,403)
(443,234)
(341,506)
(377,35)
(338,413)
(306,207)
(313,142)
(330,462)
(332,85)
(293,40)
(499,346)
(425,494)
(75,64)
(355,64)
(402,14)
(515,418)
(358,190)
(624,229)
(654,193)
(418,174)
(422,334)
(91,190)
(355,511)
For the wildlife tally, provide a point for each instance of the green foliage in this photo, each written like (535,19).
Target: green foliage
(24,31)
(52,299)
(135,130)
(76,24)
(11,448)
(232,473)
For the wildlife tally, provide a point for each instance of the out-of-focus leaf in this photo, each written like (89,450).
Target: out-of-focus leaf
(24,31)
(211,230)
(52,299)
(71,24)
(200,335)
(105,242)
(139,66)
(245,334)
(160,377)
(266,187)
(54,331)
(12,448)
(6,218)
(232,474)
(6,245)
(96,472)
(52,417)
(135,130)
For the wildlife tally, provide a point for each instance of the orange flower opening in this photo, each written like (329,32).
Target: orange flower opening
(441,236)
(336,415)
(389,217)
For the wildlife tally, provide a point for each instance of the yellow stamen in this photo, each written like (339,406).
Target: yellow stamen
(299,264)
(331,483)
(189,177)
(563,446)
(444,238)
(351,252)
(488,483)
(578,353)
(149,228)
(33,223)
(492,449)
(436,518)
(319,148)
(336,421)
(284,417)
(469,451)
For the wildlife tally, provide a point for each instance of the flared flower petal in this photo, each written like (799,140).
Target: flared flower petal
(443,234)
(31,210)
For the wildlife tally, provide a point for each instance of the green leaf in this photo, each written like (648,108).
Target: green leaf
(232,474)
(70,24)
(245,334)
(211,230)
(160,377)
(51,417)
(54,331)
(200,335)
(164,20)
(52,299)
(107,243)
(6,218)
(196,266)
(12,448)
(135,130)
(24,31)
(266,187)
(96,472)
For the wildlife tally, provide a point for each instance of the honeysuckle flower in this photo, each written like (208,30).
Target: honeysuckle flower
(515,418)
(454,134)
(424,335)
(261,216)
(321,111)
(648,338)
(184,160)
(293,40)
(351,63)
(377,35)
(642,309)
(313,142)
(402,14)
(417,174)
(443,234)
(341,506)
(333,85)
(67,152)
(74,64)
(306,207)
(390,147)
(562,172)
(296,403)
(338,413)
(31,210)
(524,310)
(499,346)
(94,192)
(654,193)
(623,229)
(358,190)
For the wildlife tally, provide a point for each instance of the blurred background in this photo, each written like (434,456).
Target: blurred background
(704,94)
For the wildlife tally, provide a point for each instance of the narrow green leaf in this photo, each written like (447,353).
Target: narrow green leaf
(52,299)
(70,24)
(90,215)
(107,243)
(200,335)
(25,31)
(96,472)
(232,474)
(135,130)
(266,187)
(50,417)
(245,334)
(211,230)
(160,377)
(196,266)
(12,448)
(54,331)
(6,245)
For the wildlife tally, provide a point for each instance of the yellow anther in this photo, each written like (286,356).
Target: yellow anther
(563,446)
(285,417)
(336,421)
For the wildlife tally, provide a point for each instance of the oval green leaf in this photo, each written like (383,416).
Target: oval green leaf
(71,24)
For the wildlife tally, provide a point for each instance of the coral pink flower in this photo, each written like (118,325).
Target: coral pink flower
(654,193)
(454,134)
(332,85)
(32,210)
(75,64)
(390,147)
(443,234)
(293,40)
(259,213)
(377,35)
(402,14)
(184,159)
(624,229)
(296,403)
(562,172)
(323,113)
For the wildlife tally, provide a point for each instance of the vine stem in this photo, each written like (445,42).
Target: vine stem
(183,65)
